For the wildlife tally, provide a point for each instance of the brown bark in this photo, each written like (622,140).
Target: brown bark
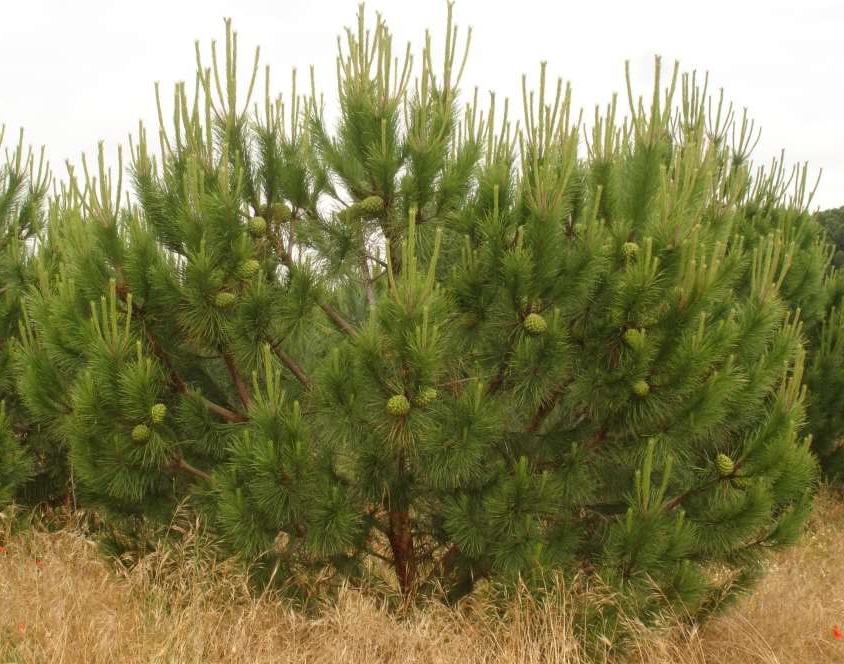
(404,558)
(541,413)
(237,379)
(181,464)
(292,365)
(337,319)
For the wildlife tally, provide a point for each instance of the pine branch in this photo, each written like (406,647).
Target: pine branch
(330,311)
(292,365)
(237,379)
(181,464)
(367,279)
(377,260)
(498,380)
(123,291)
(338,320)
(224,412)
(598,438)
(182,387)
(674,502)
(544,410)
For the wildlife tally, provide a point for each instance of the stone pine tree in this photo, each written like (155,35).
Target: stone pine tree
(24,182)
(552,363)
(413,336)
(776,202)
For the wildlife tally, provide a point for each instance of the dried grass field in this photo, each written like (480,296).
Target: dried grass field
(61,603)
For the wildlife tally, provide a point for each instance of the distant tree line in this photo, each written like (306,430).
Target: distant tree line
(833,222)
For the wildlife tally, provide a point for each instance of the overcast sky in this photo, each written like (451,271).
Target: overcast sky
(74,73)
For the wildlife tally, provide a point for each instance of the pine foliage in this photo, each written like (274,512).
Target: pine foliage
(24,182)
(426,339)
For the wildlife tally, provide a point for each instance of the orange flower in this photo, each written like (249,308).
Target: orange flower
(837,633)
(38,562)
(2,549)
(21,627)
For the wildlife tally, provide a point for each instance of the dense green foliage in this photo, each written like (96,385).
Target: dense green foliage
(813,289)
(825,376)
(832,221)
(428,337)
(24,183)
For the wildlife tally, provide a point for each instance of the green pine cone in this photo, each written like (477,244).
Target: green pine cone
(371,206)
(257,226)
(158,412)
(281,212)
(630,250)
(535,324)
(224,299)
(248,269)
(641,388)
(634,338)
(426,397)
(398,405)
(725,465)
(140,434)
(741,482)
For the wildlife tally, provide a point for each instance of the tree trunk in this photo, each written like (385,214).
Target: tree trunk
(401,542)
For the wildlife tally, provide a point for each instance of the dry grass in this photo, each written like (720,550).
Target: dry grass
(60,603)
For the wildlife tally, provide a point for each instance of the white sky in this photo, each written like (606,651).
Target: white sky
(74,73)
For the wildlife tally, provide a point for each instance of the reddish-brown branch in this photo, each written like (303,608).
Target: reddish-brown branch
(294,368)
(237,379)
(224,412)
(123,291)
(496,383)
(182,387)
(598,438)
(181,464)
(338,320)
(541,413)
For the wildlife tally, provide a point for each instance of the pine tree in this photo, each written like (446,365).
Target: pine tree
(431,338)
(813,287)
(24,181)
